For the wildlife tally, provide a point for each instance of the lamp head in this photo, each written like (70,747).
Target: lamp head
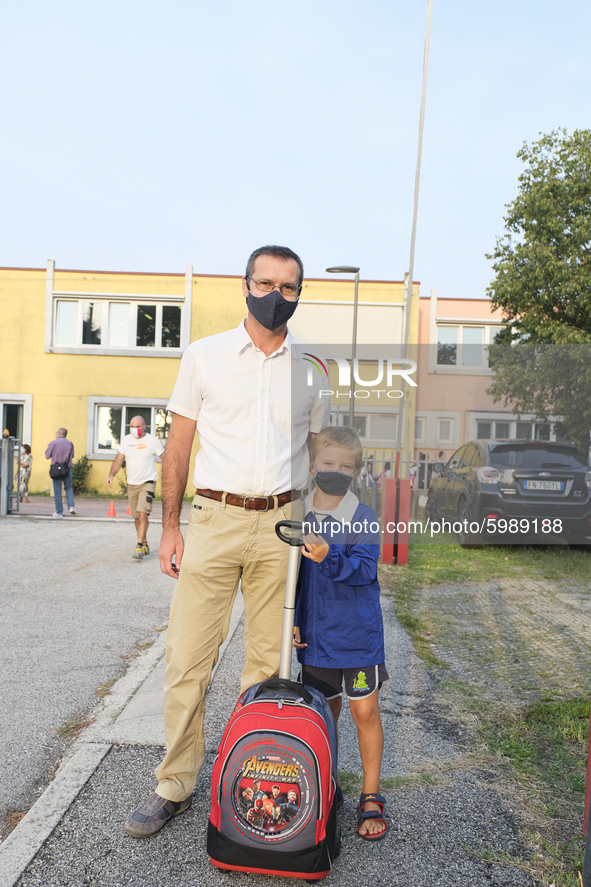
(343,269)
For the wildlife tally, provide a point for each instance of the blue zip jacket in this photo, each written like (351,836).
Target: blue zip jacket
(338,603)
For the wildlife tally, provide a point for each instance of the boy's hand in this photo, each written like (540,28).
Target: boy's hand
(315,548)
(297,638)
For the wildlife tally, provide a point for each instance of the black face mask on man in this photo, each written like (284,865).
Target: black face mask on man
(271,310)
(333,483)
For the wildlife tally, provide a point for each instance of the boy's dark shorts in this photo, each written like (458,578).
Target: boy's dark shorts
(359,682)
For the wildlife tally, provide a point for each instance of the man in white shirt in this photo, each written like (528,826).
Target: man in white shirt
(139,450)
(246,393)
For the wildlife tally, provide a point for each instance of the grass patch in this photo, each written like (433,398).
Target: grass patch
(104,689)
(542,749)
(351,782)
(72,728)
(547,743)
(451,564)
(421,637)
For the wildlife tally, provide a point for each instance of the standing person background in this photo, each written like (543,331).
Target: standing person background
(26,465)
(245,392)
(61,453)
(139,450)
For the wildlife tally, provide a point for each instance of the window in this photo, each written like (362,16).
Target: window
(112,424)
(470,454)
(419,430)
(447,345)
(66,331)
(382,427)
(370,426)
(445,430)
(359,424)
(463,345)
(524,430)
(487,429)
(117,324)
(472,342)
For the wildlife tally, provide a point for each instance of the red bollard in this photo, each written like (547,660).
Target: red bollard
(395,518)
(388,519)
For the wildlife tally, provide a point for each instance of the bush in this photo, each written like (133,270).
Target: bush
(80,471)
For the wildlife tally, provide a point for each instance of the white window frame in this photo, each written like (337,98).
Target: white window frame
(53,296)
(510,418)
(490,327)
(446,440)
(423,437)
(340,413)
(94,402)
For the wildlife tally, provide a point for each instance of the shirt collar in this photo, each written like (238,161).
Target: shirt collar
(344,512)
(243,341)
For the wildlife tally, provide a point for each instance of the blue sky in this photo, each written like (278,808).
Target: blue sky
(145,136)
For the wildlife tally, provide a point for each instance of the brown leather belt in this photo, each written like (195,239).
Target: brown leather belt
(256,503)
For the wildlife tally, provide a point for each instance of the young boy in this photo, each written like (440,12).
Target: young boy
(339,631)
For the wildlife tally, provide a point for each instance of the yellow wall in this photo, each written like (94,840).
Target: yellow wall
(62,383)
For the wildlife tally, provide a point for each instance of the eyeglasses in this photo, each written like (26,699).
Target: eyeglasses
(289,290)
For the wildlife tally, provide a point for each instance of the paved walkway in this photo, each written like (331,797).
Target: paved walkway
(74,835)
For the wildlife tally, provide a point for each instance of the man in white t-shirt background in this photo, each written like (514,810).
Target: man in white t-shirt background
(139,450)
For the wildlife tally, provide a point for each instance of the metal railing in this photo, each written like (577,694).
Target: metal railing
(382,464)
(10,475)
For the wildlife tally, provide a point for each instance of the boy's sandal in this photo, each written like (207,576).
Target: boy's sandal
(340,797)
(364,815)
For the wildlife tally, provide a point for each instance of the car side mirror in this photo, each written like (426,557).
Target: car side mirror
(438,466)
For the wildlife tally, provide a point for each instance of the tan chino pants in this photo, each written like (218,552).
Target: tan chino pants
(224,544)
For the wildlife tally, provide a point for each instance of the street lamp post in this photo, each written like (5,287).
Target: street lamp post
(351,269)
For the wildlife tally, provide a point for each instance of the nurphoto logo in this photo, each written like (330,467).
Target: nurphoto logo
(386,370)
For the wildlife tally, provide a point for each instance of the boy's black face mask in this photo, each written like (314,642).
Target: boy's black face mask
(333,483)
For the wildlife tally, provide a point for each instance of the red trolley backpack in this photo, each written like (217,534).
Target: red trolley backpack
(273,792)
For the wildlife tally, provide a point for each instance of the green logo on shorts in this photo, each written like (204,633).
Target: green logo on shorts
(360,682)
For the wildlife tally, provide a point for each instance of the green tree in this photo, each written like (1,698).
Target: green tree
(542,285)
(542,264)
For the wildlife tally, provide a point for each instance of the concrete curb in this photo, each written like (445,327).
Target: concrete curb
(20,847)
(81,761)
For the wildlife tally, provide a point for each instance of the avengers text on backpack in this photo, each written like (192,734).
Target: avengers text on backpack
(273,803)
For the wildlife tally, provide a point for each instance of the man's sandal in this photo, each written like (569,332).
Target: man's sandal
(364,815)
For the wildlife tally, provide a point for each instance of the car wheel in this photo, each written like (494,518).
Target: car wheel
(431,510)
(465,538)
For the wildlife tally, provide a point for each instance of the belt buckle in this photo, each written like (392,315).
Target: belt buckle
(246,498)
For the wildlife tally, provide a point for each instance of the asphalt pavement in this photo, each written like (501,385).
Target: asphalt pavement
(73,602)
(439,834)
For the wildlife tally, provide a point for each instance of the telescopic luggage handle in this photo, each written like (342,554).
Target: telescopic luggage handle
(294,543)
(286,686)
(295,525)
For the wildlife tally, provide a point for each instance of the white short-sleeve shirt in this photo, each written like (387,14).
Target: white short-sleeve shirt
(253,413)
(140,457)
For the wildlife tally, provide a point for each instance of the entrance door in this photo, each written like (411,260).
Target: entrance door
(12,419)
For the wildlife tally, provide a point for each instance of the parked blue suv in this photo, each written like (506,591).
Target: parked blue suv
(514,491)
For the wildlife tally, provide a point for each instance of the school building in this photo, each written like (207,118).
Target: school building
(88,350)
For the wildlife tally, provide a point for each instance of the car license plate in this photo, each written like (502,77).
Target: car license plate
(543,485)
